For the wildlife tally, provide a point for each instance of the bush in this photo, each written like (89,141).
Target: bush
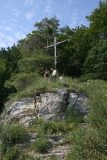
(90,139)
(13,153)
(95,64)
(22,80)
(48,127)
(87,145)
(41,145)
(74,117)
(10,135)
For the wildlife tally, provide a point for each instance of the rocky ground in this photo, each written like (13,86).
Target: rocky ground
(48,106)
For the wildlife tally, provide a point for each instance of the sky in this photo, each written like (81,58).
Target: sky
(17,17)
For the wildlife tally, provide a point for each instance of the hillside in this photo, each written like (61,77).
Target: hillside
(80,137)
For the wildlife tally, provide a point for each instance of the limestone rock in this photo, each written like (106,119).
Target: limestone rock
(78,101)
(50,106)
(22,111)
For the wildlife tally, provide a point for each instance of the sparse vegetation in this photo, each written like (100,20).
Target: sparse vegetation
(11,135)
(41,145)
(87,135)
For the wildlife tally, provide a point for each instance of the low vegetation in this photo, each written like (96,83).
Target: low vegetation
(86,135)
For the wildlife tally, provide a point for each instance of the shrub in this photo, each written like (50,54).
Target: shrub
(95,64)
(41,145)
(87,145)
(48,127)
(90,139)
(10,135)
(74,117)
(53,157)
(13,153)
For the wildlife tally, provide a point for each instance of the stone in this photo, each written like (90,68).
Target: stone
(22,110)
(78,101)
(50,106)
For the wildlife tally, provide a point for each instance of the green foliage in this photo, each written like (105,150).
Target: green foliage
(48,127)
(37,62)
(87,144)
(22,80)
(74,117)
(29,84)
(53,157)
(72,54)
(12,153)
(2,71)
(41,145)
(95,65)
(97,25)
(39,38)
(8,66)
(89,140)
(34,41)
(11,135)
(10,58)
(48,26)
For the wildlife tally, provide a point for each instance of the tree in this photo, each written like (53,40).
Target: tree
(33,41)
(8,65)
(98,23)
(95,65)
(72,54)
(39,38)
(2,71)
(48,27)
(9,58)
(37,62)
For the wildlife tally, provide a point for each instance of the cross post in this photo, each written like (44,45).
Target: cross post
(55,48)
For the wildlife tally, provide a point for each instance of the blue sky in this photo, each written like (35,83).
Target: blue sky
(17,17)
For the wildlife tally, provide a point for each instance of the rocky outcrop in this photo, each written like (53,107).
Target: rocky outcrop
(50,106)
(78,101)
(22,111)
(53,106)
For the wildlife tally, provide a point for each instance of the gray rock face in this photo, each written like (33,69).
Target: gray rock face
(49,106)
(52,106)
(22,111)
(78,102)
